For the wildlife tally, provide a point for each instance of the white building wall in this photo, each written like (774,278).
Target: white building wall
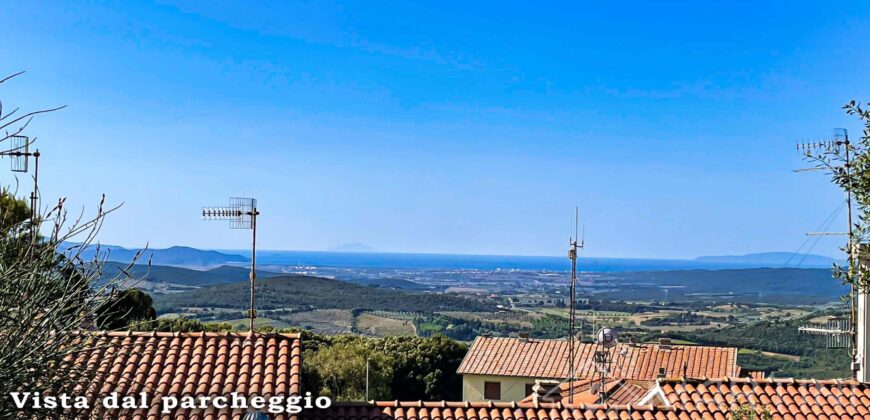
(512,388)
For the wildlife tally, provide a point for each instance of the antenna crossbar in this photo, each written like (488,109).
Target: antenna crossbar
(221,213)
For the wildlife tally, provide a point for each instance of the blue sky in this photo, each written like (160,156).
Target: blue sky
(443,127)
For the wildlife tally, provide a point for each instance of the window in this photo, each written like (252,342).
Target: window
(530,389)
(492,390)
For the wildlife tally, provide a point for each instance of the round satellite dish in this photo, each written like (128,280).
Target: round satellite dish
(607,337)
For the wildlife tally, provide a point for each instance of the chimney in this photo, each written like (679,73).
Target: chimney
(664,343)
(663,373)
(546,391)
(523,337)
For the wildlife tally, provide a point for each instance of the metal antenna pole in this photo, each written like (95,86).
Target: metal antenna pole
(34,203)
(835,330)
(20,154)
(253,313)
(851,260)
(367,378)
(572,255)
(242,214)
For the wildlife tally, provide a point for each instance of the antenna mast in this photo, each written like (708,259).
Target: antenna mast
(835,329)
(242,214)
(20,154)
(574,246)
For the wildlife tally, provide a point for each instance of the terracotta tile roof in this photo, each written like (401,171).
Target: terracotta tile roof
(197,364)
(463,410)
(620,392)
(786,399)
(783,398)
(548,359)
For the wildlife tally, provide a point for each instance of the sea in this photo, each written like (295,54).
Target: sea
(382,260)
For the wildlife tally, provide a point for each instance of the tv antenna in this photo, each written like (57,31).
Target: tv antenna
(20,155)
(242,214)
(838,329)
(836,332)
(574,246)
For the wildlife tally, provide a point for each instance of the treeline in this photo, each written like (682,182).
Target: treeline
(772,336)
(777,336)
(818,363)
(616,306)
(547,326)
(687,318)
(303,292)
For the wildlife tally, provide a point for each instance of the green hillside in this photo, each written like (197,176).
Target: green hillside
(771,285)
(314,292)
(184,276)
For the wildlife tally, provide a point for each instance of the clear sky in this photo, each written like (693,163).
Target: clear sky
(458,127)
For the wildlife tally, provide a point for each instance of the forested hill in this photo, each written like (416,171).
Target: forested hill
(306,292)
(179,256)
(181,276)
(772,285)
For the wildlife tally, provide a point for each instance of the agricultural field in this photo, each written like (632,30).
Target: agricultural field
(325,321)
(371,324)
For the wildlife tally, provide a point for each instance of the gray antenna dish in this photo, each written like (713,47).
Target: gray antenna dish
(607,337)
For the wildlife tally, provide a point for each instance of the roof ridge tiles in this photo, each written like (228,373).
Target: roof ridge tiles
(515,405)
(194,334)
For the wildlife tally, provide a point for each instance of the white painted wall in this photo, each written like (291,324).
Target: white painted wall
(512,388)
(862,338)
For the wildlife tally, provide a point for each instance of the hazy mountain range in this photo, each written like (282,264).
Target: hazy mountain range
(180,256)
(772,259)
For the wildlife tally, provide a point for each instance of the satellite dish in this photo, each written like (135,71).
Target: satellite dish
(607,337)
(594,388)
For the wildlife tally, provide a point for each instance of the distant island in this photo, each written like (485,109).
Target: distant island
(352,247)
(772,259)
